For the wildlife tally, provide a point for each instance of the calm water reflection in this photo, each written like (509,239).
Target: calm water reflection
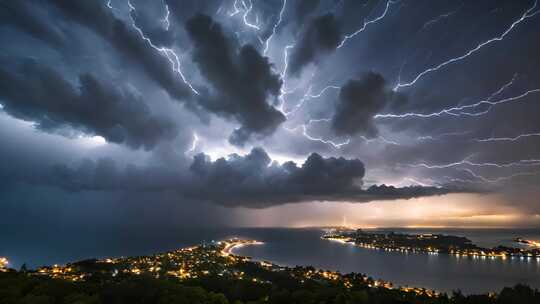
(294,247)
(441,272)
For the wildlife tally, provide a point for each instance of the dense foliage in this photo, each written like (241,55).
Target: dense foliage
(20,287)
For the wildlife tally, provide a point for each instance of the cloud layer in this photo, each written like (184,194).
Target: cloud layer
(242,80)
(359,100)
(71,70)
(41,95)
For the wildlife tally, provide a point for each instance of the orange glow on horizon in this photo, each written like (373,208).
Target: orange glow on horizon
(446,211)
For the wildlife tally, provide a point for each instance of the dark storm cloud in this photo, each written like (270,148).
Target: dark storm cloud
(321,36)
(96,16)
(303,9)
(242,80)
(40,94)
(26,17)
(359,100)
(75,36)
(251,181)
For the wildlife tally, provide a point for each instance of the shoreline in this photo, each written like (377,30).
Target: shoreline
(230,247)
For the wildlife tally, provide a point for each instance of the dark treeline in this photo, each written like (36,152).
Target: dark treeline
(20,287)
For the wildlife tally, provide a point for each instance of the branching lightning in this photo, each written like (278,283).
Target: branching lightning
(236,9)
(438,18)
(526,15)
(462,166)
(307,96)
(515,138)
(503,88)
(409,181)
(349,36)
(169,53)
(467,162)
(459,111)
(332,143)
(166,18)
(274,29)
(440,136)
(499,179)
(246,9)
(282,77)
(303,127)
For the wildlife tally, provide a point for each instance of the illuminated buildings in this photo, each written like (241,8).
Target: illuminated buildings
(428,243)
(3,264)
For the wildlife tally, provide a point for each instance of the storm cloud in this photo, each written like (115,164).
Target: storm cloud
(242,81)
(252,180)
(98,18)
(22,15)
(72,70)
(359,100)
(40,94)
(321,36)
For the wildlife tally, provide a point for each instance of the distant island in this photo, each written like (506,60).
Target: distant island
(429,243)
(211,273)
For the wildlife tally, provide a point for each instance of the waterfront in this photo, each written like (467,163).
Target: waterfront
(302,247)
(440,272)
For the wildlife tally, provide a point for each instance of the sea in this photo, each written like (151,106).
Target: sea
(303,246)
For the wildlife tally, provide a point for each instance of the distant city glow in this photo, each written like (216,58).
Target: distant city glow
(452,210)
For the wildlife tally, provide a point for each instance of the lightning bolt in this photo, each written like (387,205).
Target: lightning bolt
(494,139)
(349,36)
(527,14)
(493,103)
(169,53)
(285,60)
(503,88)
(307,96)
(236,9)
(274,29)
(166,18)
(333,87)
(438,18)
(481,178)
(460,109)
(246,9)
(413,181)
(304,127)
(460,180)
(332,143)
(382,139)
(440,136)
(194,143)
(466,162)
(499,179)
(282,77)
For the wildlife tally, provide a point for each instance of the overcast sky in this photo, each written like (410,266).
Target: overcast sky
(290,113)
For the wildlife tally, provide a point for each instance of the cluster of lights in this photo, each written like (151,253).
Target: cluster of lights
(3,263)
(207,260)
(475,253)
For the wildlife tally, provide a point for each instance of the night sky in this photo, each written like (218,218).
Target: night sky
(269,113)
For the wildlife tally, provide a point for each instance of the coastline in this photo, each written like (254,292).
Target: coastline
(230,247)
